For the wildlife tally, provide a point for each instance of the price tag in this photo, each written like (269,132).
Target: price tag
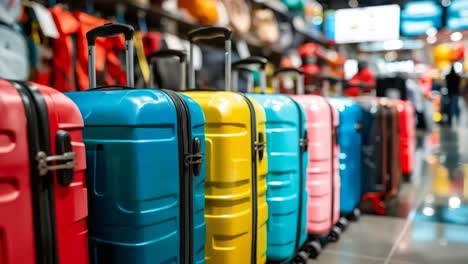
(242,49)
(46,22)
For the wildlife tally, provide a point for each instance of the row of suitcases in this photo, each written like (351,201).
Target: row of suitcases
(193,177)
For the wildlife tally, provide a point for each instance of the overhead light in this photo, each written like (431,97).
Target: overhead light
(428,211)
(446,3)
(393,44)
(432,31)
(353,3)
(431,39)
(456,36)
(458,67)
(454,202)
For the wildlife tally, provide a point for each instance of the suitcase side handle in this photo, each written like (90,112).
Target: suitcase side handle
(169,53)
(296,72)
(210,33)
(246,65)
(105,31)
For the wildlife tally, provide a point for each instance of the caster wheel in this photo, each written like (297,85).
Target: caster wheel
(342,223)
(334,235)
(355,215)
(312,249)
(300,258)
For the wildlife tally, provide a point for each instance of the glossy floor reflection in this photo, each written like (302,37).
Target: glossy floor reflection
(430,223)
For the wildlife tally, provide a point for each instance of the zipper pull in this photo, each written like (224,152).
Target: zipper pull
(195,160)
(260,145)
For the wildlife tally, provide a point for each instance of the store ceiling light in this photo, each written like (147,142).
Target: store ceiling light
(446,3)
(393,44)
(454,202)
(456,36)
(431,39)
(428,211)
(431,32)
(353,3)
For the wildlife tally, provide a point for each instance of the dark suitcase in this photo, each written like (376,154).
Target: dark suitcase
(145,169)
(42,177)
(380,153)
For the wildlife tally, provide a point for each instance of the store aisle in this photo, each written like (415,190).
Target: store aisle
(430,223)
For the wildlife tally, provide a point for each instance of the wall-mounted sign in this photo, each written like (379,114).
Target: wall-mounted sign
(418,16)
(367,24)
(457,15)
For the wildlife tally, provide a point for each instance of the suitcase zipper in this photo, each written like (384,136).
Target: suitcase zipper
(334,141)
(186,159)
(253,130)
(42,185)
(303,148)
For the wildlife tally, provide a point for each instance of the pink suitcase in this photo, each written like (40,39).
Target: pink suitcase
(323,180)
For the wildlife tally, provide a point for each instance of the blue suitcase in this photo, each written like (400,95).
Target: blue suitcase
(145,169)
(287,163)
(349,138)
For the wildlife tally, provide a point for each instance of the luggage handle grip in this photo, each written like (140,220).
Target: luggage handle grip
(255,61)
(110,30)
(207,33)
(169,53)
(298,73)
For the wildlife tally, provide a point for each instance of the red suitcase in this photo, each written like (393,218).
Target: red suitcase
(407,136)
(43,197)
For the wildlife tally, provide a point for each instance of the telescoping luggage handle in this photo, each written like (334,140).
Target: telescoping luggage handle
(169,53)
(247,65)
(298,73)
(105,31)
(209,33)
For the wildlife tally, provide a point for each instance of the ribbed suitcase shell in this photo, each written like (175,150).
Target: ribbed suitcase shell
(17,235)
(229,180)
(380,151)
(323,185)
(349,138)
(407,136)
(286,179)
(133,174)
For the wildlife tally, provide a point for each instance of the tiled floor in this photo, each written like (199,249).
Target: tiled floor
(430,225)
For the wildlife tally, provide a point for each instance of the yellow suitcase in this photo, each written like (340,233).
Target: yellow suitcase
(236,210)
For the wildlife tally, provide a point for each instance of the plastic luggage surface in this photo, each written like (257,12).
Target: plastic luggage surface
(350,152)
(146,200)
(323,185)
(236,211)
(286,194)
(41,125)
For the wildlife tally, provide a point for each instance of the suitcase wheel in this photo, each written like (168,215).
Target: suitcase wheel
(355,215)
(313,248)
(334,235)
(342,223)
(300,258)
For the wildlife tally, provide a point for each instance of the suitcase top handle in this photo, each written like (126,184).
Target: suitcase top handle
(246,65)
(210,33)
(299,75)
(106,31)
(169,53)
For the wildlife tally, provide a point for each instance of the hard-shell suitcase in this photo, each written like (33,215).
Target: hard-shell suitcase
(42,177)
(349,138)
(407,136)
(236,211)
(323,182)
(145,169)
(287,163)
(380,152)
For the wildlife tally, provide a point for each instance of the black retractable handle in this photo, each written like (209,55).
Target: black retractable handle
(106,31)
(169,53)
(210,33)
(298,73)
(249,63)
